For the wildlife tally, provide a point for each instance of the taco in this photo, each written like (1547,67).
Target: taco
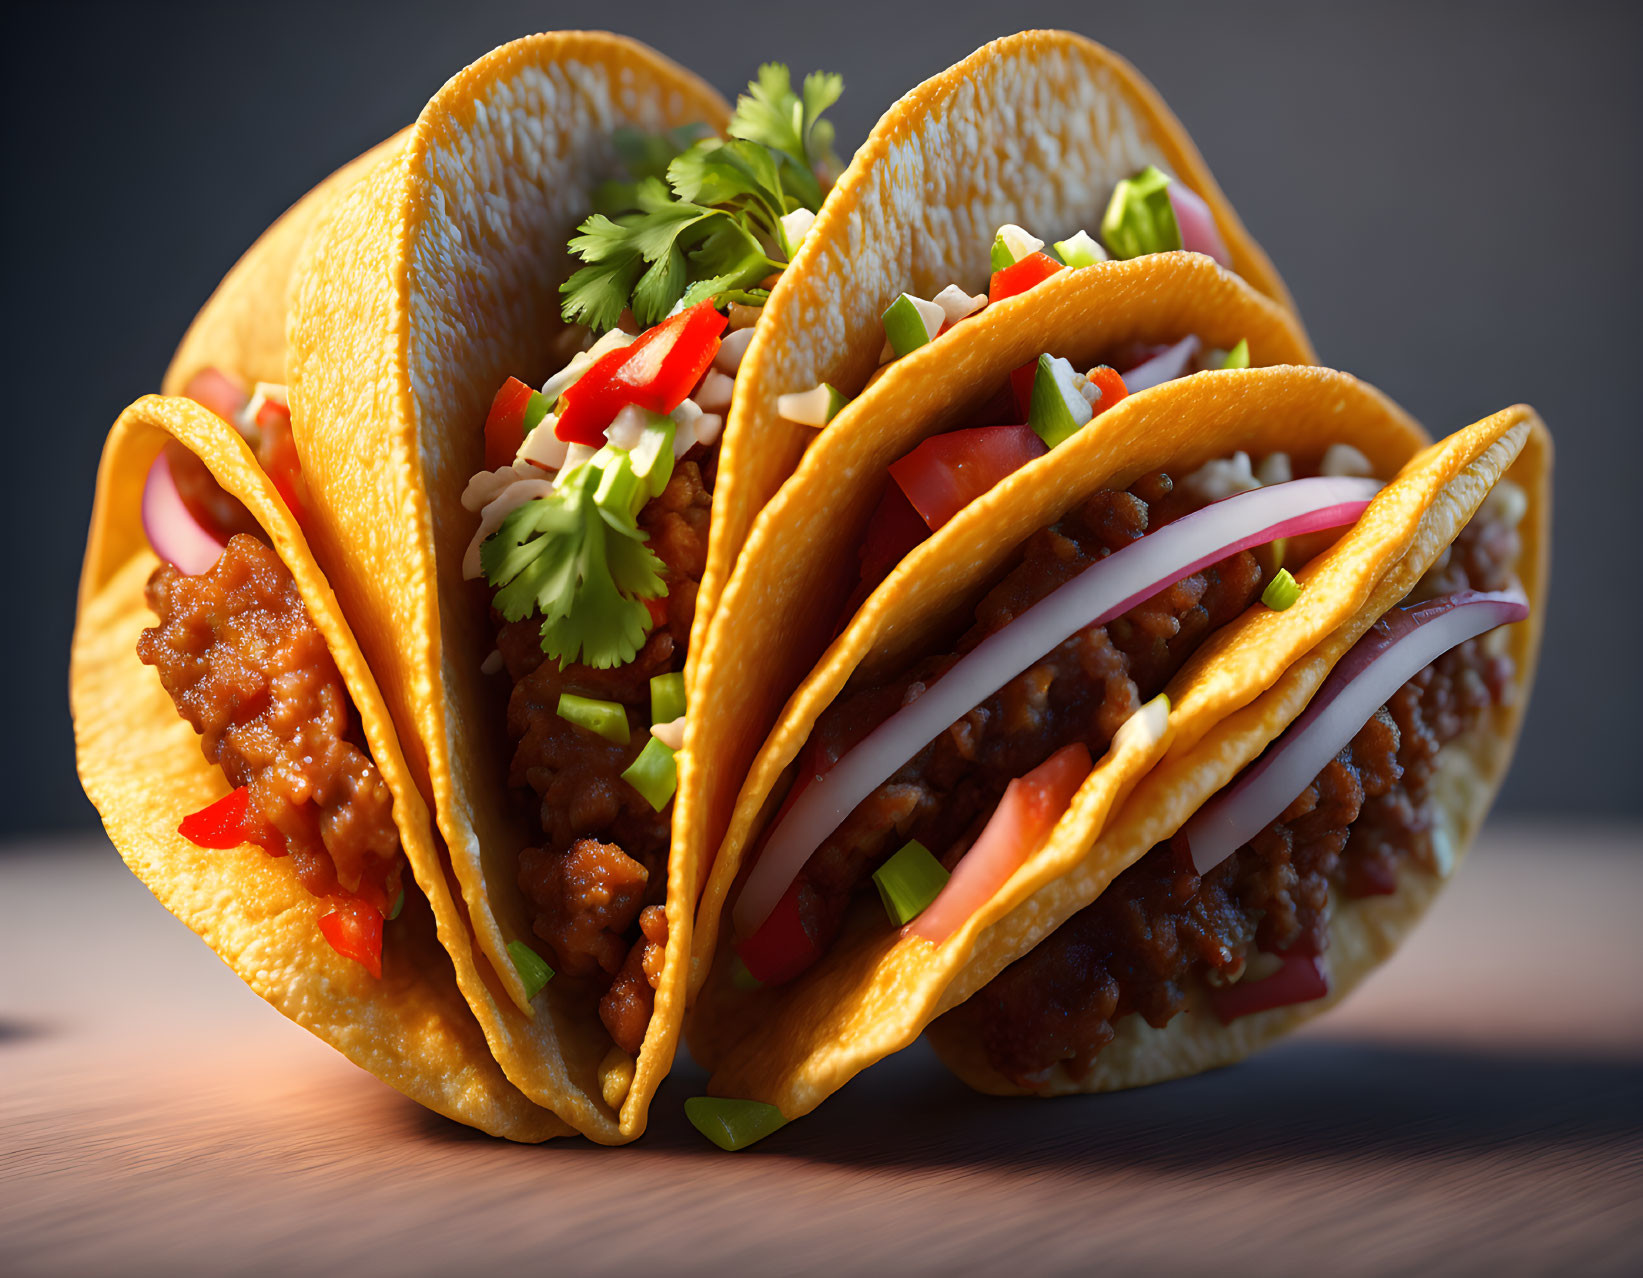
(1060,677)
(440,294)
(297,875)
(1041,175)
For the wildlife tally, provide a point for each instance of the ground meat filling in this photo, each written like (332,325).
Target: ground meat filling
(1082,691)
(1159,926)
(595,882)
(245,665)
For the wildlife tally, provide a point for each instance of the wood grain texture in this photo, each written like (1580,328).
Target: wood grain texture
(1478,1106)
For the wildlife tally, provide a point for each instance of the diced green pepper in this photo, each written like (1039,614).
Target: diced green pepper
(1056,409)
(667,697)
(1139,218)
(532,970)
(608,718)
(1238,356)
(904,326)
(1080,249)
(654,774)
(909,881)
(1282,591)
(733,1124)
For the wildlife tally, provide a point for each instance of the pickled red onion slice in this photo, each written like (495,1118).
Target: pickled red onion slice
(1104,590)
(1163,367)
(176,536)
(1199,234)
(1401,644)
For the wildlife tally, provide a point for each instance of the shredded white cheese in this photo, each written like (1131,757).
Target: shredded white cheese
(1274,468)
(1221,478)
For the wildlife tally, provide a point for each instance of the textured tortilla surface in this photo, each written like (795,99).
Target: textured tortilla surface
(434,279)
(142,767)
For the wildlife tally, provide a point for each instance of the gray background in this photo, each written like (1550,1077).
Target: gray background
(1452,193)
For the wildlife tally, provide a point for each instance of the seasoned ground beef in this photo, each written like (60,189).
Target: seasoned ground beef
(604,850)
(1160,927)
(1082,691)
(246,666)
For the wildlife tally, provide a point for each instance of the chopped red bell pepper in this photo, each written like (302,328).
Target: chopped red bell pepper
(505,426)
(1021,385)
(220,824)
(781,948)
(1300,980)
(947,472)
(657,373)
(354,930)
(1110,384)
(896,527)
(1018,277)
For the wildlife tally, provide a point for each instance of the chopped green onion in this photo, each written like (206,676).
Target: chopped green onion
(742,978)
(1281,591)
(909,881)
(532,970)
(608,718)
(1000,254)
(621,489)
(1056,409)
(536,408)
(1015,241)
(814,407)
(733,1124)
(399,904)
(905,326)
(1080,249)
(1238,356)
(667,697)
(1139,219)
(654,774)
(652,454)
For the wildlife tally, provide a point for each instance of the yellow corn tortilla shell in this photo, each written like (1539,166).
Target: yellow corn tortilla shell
(1365,931)
(241,328)
(1035,128)
(434,279)
(142,767)
(873,992)
(800,566)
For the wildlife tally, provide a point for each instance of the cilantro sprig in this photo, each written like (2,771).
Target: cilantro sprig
(701,217)
(582,562)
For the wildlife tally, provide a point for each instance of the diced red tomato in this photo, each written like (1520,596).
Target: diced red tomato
(1021,384)
(505,426)
(896,527)
(354,930)
(1025,815)
(657,608)
(947,472)
(781,948)
(1300,980)
(1111,386)
(217,391)
(220,824)
(657,372)
(1018,277)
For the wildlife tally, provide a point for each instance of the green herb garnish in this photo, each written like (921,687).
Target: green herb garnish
(580,561)
(702,219)
(532,970)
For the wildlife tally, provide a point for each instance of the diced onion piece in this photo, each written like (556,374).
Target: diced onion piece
(732,348)
(567,376)
(795,226)
(532,970)
(1163,367)
(172,530)
(1343,459)
(1274,469)
(1222,477)
(733,1124)
(910,322)
(707,428)
(714,392)
(814,407)
(1199,234)
(542,448)
(575,455)
(1104,590)
(1080,249)
(1017,242)
(1238,356)
(1401,644)
(956,304)
(909,881)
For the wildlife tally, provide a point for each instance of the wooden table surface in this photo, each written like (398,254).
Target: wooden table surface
(1477,1107)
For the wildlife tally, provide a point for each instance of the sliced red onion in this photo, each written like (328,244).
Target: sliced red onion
(1401,644)
(176,536)
(1104,590)
(1166,366)
(1199,234)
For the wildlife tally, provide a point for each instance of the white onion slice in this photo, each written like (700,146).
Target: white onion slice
(1104,590)
(1163,367)
(1199,234)
(176,536)
(1402,643)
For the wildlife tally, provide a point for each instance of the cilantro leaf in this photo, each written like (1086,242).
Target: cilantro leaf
(586,568)
(700,218)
